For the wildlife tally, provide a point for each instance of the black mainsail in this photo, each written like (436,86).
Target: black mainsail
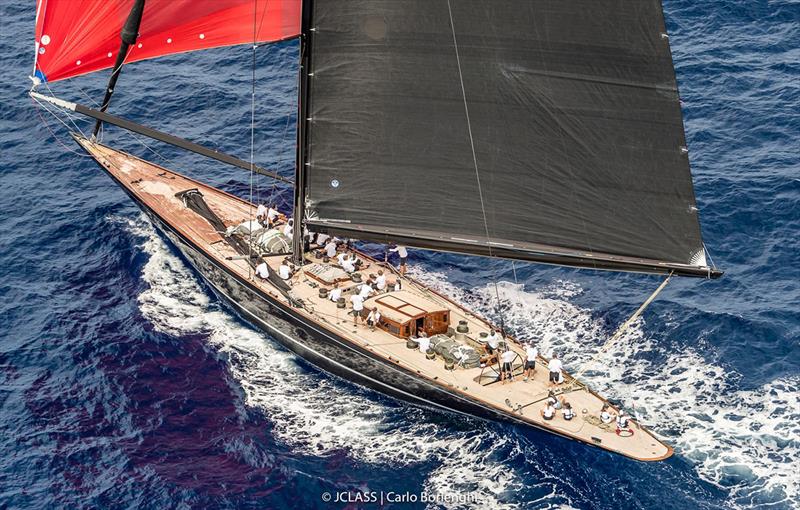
(541,130)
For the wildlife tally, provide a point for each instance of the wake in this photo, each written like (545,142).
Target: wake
(747,442)
(742,441)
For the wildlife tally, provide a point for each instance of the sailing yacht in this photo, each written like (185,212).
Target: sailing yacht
(542,131)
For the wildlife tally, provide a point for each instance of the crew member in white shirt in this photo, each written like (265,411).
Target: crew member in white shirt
(507,358)
(403,254)
(555,366)
(374,318)
(622,421)
(549,412)
(288,229)
(322,239)
(492,342)
(348,264)
(358,307)
(551,397)
(568,413)
(330,249)
(380,281)
(284,270)
(262,271)
(365,290)
(336,293)
(605,416)
(261,212)
(531,353)
(272,215)
(424,342)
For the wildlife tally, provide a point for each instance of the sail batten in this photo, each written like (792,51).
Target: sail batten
(75,37)
(574,113)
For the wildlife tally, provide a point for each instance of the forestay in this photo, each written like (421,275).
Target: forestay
(541,130)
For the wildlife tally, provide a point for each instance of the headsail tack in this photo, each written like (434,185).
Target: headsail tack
(75,37)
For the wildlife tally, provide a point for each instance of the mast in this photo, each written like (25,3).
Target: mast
(129,34)
(302,134)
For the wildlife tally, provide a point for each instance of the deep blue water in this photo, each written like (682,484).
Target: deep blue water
(125,383)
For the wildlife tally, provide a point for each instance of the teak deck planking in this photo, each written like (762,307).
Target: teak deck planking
(156,187)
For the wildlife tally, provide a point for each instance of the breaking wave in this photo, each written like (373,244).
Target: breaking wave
(742,441)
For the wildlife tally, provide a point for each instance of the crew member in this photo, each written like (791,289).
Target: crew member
(288,229)
(365,290)
(548,412)
(531,353)
(330,249)
(262,271)
(492,342)
(403,254)
(424,342)
(322,239)
(380,281)
(622,421)
(285,270)
(555,366)
(358,307)
(507,359)
(605,416)
(374,318)
(272,215)
(347,263)
(567,413)
(336,293)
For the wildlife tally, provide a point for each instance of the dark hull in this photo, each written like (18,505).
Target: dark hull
(323,348)
(311,341)
(314,339)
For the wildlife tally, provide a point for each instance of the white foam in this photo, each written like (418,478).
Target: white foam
(747,442)
(314,414)
(754,458)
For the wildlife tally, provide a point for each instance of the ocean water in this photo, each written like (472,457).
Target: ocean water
(124,383)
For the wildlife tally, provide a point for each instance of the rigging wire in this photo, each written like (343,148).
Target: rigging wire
(252,132)
(708,253)
(475,163)
(621,330)
(133,135)
(52,133)
(69,116)
(274,186)
(96,104)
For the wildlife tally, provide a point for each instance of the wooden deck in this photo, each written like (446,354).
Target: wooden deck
(156,187)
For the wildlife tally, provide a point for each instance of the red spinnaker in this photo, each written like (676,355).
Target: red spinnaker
(75,37)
